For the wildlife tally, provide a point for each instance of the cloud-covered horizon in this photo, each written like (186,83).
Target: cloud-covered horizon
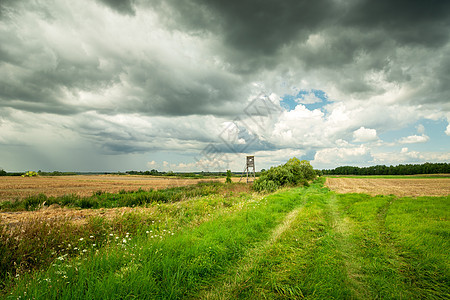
(120,85)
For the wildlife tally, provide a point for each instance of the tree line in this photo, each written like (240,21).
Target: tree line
(408,169)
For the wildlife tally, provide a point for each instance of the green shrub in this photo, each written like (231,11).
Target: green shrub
(228,180)
(292,173)
(265,185)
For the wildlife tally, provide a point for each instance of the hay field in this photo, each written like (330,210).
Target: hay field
(403,187)
(12,188)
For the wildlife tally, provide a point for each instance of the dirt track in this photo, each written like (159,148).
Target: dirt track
(400,187)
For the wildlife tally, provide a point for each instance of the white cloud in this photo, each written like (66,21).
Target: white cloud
(309,98)
(405,156)
(342,143)
(264,159)
(420,129)
(333,157)
(184,167)
(152,164)
(412,139)
(300,127)
(365,135)
(215,164)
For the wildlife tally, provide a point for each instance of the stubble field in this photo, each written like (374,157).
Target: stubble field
(402,187)
(12,188)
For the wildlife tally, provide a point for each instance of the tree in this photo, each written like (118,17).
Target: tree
(228,180)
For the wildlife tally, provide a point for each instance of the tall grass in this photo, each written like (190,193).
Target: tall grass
(102,199)
(37,242)
(167,267)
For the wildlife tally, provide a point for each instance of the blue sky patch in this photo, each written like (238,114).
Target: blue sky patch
(311,99)
(435,130)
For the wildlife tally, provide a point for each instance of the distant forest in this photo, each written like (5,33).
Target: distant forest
(409,169)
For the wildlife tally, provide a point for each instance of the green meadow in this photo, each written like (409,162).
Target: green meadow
(296,243)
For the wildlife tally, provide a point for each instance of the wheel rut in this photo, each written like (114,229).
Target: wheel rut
(239,274)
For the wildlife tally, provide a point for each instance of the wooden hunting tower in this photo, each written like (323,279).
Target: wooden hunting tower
(250,164)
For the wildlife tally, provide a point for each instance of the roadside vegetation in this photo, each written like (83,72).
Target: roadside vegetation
(38,242)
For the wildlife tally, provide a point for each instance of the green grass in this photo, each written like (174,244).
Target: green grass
(354,246)
(297,243)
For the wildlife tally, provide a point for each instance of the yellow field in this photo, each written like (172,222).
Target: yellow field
(15,187)
(386,186)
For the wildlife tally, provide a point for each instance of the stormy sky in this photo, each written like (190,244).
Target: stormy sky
(192,85)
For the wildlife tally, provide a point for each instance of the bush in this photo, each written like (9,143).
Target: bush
(265,185)
(292,173)
(228,180)
(30,174)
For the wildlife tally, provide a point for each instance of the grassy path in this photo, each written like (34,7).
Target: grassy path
(301,243)
(348,246)
(343,227)
(239,274)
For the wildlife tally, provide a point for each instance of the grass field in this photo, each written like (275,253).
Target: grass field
(297,243)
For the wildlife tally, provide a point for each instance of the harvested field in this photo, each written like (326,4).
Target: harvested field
(62,214)
(402,187)
(12,188)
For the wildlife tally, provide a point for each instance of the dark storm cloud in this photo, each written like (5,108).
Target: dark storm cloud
(257,33)
(177,92)
(36,76)
(40,74)
(262,27)
(254,36)
(121,6)
(254,31)
(409,22)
